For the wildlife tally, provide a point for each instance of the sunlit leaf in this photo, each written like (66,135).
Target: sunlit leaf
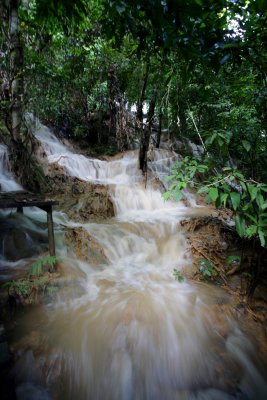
(166,195)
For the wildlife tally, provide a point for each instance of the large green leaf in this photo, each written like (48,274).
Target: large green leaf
(253,191)
(213,193)
(262,237)
(240,225)
(260,201)
(235,199)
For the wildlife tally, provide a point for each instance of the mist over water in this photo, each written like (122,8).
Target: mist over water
(126,329)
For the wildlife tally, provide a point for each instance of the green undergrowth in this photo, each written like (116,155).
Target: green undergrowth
(37,284)
(104,150)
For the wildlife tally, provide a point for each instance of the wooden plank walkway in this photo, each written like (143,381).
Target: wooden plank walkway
(21,199)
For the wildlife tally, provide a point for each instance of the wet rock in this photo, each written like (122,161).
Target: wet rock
(29,391)
(83,201)
(5,355)
(34,340)
(17,244)
(85,246)
(18,241)
(55,171)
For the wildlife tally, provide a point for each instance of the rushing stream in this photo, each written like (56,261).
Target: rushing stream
(126,329)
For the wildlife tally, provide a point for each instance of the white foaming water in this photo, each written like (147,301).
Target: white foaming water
(7,180)
(133,332)
(117,171)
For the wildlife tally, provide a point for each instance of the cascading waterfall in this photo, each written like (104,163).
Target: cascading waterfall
(132,332)
(7,181)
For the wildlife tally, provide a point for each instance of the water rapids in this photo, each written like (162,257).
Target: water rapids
(127,330)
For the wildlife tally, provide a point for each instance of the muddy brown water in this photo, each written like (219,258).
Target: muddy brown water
(126,329)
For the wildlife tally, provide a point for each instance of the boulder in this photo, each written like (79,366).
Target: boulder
(85,246)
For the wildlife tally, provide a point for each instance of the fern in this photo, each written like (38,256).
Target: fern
(37,267)
(21,287)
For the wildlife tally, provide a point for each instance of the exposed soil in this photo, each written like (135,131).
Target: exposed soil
(213,239)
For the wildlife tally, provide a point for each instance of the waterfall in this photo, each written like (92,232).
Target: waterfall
(127,330)
(7,180)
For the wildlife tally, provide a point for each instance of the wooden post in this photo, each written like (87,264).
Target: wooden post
(51,239)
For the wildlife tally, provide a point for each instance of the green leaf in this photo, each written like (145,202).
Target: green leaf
(177,195)
(224,197)
(235,199)
(246,145)
(253,191)
(238,175)
(251,230)
(166,195)
(211,140)
(263,223)
(181,185)
(203,189)
(260,200)
(218,202)
(170,178)
(240,225)
(213,193)
(252,218)
(262,238)
(178,276)
(231,259)
(202,166)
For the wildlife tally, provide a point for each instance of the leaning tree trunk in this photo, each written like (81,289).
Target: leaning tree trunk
(21,143)
(16,72)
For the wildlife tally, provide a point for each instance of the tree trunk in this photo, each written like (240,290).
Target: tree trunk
(16,71)
(21,143)
(139,111)
(112,100)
